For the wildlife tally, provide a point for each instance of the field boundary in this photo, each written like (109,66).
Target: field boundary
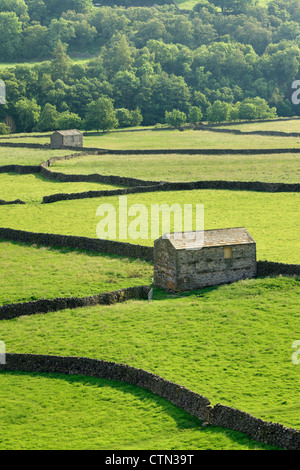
(164,186)
(80,243)
(203,127)
(264,268)
(195,404)
(16,201)
(199,151)
(14,310)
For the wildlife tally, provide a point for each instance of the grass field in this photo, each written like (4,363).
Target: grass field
(99,414)
(272,219)
(25,156)
(176,167)
(31,273)
(232,343)
(175,139)
(32,188)
(289,125)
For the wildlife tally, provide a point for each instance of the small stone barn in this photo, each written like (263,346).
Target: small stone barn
(71,138)
(218,257)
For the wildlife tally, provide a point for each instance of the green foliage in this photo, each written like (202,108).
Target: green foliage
(4,129)
(67,120)
(127,118)
(175,118)
(48,118)
(154,60)
(195,115)
(101,115)
(28,112)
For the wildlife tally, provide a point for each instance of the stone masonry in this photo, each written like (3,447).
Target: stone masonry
(215,257)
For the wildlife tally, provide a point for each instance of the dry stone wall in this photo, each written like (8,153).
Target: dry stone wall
(7,312)
(197,405)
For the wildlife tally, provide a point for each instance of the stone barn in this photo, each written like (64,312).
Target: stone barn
(187,263)
(71,138)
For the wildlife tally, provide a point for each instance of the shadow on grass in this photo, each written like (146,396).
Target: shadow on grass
(160,294)
(67,250)
(183,419)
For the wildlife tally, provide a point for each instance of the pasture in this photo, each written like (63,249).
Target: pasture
(271,219)
(172,139)
(175,167)
(231,343)
(99,414)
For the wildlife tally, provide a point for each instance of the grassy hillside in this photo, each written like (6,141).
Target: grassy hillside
(175,167)
(32,188)
(38,272)
(270,218)
(230,343)
(99,414)
(175,139)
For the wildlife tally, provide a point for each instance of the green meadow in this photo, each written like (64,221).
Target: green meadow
(27,156)
(272,219)
(97,414)
(286,125)
(31,272)
(32,188)
(175,167)
(174,139)
(231,343)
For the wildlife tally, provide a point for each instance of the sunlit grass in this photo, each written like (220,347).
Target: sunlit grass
(99,414)
(31,273)
(176,167)
(231,343)
(272,219)
(32,188)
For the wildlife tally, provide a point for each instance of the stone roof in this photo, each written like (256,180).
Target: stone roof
(69,132)
(209,238)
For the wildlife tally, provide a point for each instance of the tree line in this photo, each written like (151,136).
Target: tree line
(228,59)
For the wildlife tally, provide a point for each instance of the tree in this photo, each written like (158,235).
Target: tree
(136,117)
(4,129)
(67,120)
(124,117)
(175,118)
(17,6)
(48,118)
(101,115)
(195,115)
(61,63)
(10,35)
(218,112)
(233,6)
(28,114)
(35,42)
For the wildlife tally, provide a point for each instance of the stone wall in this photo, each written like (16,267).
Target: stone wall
(7,312)
(16,201)
(140,186)
(269,268)
(80,243)
(195,404)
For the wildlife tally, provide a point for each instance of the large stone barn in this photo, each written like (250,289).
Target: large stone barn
(213,257)
(71,138)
